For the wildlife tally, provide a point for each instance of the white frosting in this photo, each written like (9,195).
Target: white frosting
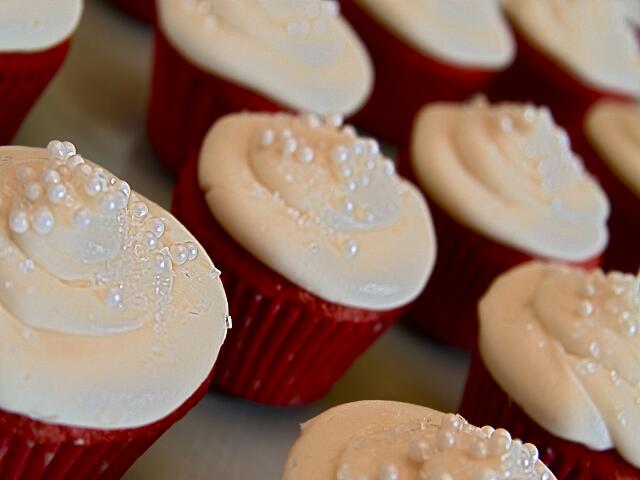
(301,53)
(391,440)
(111,316)
(32,25)
(470,33)
(319,206)
(614,131)
(591,38)
(563,344)
(508,172)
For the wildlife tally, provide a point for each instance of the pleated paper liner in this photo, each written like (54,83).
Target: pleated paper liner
(623,251)
(143,10)
(534,77)
(287,346)
(405,79)
(186,101)
(23,78)
(32,450)
(466,265)
(485,403)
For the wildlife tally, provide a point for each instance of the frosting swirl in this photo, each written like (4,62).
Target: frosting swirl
(299,52)
(32,25)
(391,440)
(87,264)
(563,343)
(462,32)
(508,172)
(319,205)
(591,38)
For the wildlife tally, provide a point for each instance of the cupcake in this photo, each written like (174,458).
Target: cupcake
(426,51)
(571,53)
(392,440)
(321,246)
(213,58)
(611,149)
(504,187)
(111,318)
(558,365)
(143,10)
(34,39)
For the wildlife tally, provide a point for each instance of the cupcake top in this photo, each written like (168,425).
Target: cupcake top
(111,315)
(320,206)
(614,130)
(592,39)
(392,440)
(563,343)
(301,54)
(466,33)
(33,25)
(508,172)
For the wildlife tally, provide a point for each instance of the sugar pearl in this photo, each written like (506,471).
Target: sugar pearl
(359,147)
(533,452)
(289,146)
(586,308)
(419,451)
(373,148)
(33,191)
(478,449)
(487,431)
(312,120)
(500,441)
(452,421)
(428,474)
(112,202)
(486,474)
(114,298)
(74,160)
(150,240)
(335,120)
(18,221)
(192,248)
(389,167)
(351,248)
(161,263)
(306,154)
(56,149)
(56,193)
(43,221)
(156,225)
(82,218)
(69,149)
(93,186)
(124,187)
(139,210)
(341,154)
(180,254)
(445,438)
(25,174)
(388,472)
(351,185)
(50,176)
(267,137)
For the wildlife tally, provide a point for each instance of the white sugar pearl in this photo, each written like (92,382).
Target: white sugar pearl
(419,451)
(82,170)
(112,203)
(445,438)
(161,263)
(180,254)
(192,248)
(93,186)
(349,206)
(33,191)
(500,441)
(351,248)
(139,210)
(43,221)
(82,218)
(56,193)
(341,154)
(389,167)
(478,449)
(529,113)
(124,187)
(586,308)
(346,171)
(487,431)
(428,473)
(349,131)
(156,225)
(486,474)
(452,421)
(359,147)
(335,120)
(388,472)
(56,149)
(18,221)
(533,452)
(506,124)
(114,298)
(306,154)
(373,148)
(150,240)
(74,160)
(312,120)
(50,176)
(25,174)
(330,7)
(289,146)
(69,149)
(351,185)
(267,137)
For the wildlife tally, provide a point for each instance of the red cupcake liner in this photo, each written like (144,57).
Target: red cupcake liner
(405,79)
(32,450)
(622,252)
(466,265)
(534,77)
(186,101)
(143,10)
(23,78)
(287,346)
(485,403)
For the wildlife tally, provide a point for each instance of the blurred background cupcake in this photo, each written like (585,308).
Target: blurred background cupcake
(321,246)
(426,51)
(34,39)
(110,318)
(558,365)
(571,53)
(214,58)
(143,10)
(504,187)
(392,440)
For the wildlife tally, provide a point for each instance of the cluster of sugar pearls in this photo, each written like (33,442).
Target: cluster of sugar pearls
(482,453)
(90,194)
(308,16)
(358,161)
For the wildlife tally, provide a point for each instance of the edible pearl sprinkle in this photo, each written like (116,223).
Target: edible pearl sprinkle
(140,210)
(43,221)
(82,218)
(18,221)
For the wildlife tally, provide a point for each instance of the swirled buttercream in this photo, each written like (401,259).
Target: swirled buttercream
(469,33)
(319,205)
(593,39)
(299,52)
(110,314)
(508,172)
(392,440)
(563,344)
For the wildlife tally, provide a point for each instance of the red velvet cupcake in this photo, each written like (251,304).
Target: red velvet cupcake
(504,187)
(143,10)
(111,318)
(34,39)
(611,149)
(214,58)
(570,54)
(558,365)
(322,247)
(426,51)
